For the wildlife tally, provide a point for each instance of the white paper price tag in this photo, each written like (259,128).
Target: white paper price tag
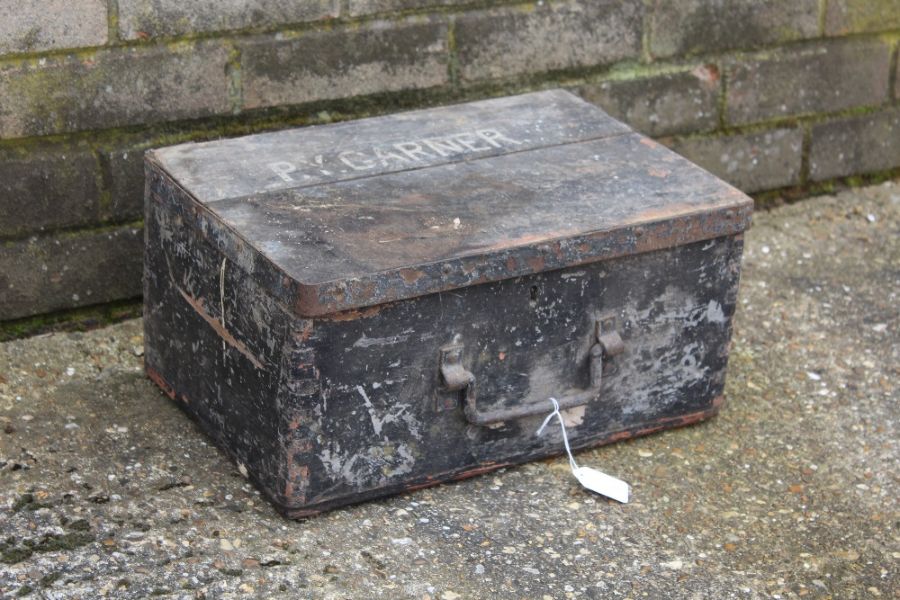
(592,479)
(601,483)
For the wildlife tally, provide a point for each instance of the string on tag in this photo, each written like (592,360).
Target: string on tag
(592,479)
(562,426)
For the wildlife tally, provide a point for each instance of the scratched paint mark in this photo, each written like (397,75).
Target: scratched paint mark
(218,327)
(714,313)
(365,341)
(377,463)
(405,463)
(378,423)
(197,305)
(338,465)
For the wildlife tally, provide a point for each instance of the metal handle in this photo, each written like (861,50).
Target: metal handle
(456,377)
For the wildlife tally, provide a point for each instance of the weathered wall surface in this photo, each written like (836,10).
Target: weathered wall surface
(767,94)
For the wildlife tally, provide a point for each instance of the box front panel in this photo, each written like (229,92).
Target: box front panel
(379,416)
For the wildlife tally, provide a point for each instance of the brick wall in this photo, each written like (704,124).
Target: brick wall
(768,94)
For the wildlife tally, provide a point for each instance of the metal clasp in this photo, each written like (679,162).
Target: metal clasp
(456,377)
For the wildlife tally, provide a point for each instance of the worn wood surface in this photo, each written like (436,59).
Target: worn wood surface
(589,191)
(337,396)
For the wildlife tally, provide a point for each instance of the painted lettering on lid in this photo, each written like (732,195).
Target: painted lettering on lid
(400,155)
(326,154)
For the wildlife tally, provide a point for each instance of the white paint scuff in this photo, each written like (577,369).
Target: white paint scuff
(378,422)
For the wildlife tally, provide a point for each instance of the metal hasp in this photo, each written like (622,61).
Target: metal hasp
(456,377)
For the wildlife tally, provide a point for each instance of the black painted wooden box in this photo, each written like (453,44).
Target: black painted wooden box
(357,309)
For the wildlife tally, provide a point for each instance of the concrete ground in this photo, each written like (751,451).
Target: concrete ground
(106,489)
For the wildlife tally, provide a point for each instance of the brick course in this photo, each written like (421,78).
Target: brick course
(113,88)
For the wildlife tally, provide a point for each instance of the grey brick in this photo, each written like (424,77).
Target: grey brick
(46,187)
(550,36)
(750,161)
(44,274)
(38,25)
(142,19)
(665,104)
(123,170)
(379,57)
(820,78)
(855,145)
(679,27)
(116,87)
(854,16)
(124,174)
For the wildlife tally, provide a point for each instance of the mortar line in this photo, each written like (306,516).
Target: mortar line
(805,149)
(112,22)
(893,89)
(66,318)
(234,72)
(646,31)
(722,104)
(73,231)
(104,184)
(823,13)
(452,57)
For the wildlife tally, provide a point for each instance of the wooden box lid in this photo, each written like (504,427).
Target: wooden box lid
(359,213)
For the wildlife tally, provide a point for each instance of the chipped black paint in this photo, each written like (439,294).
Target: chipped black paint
(316,363)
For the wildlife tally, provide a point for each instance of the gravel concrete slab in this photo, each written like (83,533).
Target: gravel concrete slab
(106,489)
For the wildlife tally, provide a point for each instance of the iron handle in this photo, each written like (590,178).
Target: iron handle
(456,377)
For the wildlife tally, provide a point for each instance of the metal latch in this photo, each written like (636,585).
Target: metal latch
(456,377)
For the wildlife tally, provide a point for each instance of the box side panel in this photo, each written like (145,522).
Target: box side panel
(378,418)
(213,337)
